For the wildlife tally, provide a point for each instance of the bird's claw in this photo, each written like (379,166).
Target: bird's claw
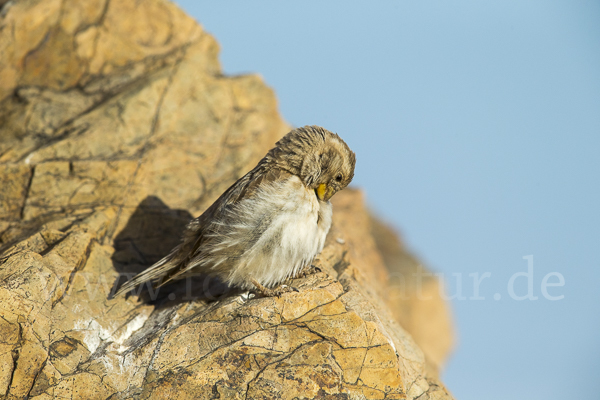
(308,270)
(275,292)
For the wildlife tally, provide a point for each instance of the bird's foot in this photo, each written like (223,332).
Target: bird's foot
(278,291)
(308,270)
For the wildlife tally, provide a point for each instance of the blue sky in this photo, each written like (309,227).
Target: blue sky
(477,131)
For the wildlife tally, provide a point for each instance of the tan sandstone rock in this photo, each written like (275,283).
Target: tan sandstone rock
(116,127)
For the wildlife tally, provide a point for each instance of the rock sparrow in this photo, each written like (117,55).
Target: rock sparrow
(271,223)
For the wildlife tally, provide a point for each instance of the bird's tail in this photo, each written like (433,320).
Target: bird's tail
(165,269)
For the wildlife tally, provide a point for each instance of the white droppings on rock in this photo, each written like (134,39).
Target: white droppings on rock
(131,327)
(28,159)
(94,333)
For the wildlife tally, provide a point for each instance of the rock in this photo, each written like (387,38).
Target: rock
(116,127)
(414,296)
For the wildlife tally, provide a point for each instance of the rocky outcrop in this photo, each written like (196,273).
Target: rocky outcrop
(414,296)
(116,127)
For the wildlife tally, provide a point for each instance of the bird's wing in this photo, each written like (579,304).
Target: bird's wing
(208,229)
(201,230)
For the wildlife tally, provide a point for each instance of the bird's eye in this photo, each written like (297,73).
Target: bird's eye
(338,178)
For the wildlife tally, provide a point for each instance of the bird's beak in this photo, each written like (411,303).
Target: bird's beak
(324,192)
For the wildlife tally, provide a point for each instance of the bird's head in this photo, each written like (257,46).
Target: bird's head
(321,159)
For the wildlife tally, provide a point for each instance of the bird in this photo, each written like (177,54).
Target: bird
(270,224)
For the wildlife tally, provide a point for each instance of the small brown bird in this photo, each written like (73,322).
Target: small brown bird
(271,223)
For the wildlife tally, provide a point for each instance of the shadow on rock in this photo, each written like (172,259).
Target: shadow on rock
(152,231)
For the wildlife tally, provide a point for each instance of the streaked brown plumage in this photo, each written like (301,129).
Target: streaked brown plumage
(268,225)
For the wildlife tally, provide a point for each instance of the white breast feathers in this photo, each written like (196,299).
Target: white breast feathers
(268,236)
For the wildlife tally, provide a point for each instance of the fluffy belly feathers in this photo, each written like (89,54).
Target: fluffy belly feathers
(289,225)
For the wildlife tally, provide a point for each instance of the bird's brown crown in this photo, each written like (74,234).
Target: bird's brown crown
(321,159)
